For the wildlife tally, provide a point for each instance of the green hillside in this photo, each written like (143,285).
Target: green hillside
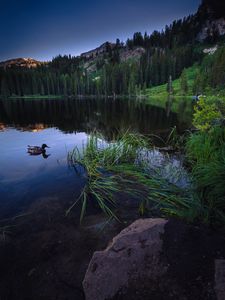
(207,77)
(161,90)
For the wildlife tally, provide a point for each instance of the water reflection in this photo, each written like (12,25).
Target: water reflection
(63,124)
(84,115)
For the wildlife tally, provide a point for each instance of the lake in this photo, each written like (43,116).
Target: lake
(62,125)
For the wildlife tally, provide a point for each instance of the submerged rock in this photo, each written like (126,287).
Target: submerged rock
(159,259)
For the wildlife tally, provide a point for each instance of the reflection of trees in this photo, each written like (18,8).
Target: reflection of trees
(104,115)
(33,127)
(185,113)
(2,127)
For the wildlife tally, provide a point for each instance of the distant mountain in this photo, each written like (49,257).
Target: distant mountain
(20,62)
(143,61)
(110,52)
(206,25)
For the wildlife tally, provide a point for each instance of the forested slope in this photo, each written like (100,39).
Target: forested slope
(144,61)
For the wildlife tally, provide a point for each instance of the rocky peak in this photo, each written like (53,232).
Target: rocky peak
(106,47)
(20,62)
(212,28)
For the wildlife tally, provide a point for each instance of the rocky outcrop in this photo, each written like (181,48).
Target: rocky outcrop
(99,50)
(20,62)
(159,259)
(101,55)
(135,53)
(212,28)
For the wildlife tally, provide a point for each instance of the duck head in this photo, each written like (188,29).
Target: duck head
(44,146)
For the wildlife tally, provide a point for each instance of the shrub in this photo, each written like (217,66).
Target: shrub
(205,113)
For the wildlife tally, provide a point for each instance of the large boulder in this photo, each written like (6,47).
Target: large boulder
(157,259)
(132,256)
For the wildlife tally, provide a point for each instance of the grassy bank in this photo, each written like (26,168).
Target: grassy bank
(161,90)
(192,84)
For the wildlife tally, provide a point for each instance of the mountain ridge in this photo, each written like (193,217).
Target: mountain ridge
(143,62)
(210,17)
(20,62)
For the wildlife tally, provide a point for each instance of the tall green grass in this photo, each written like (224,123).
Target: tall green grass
(206,154)
(120,167)
(170,199)
(98,158)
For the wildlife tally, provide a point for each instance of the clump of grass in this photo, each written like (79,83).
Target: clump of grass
(98,154)
(103,192)
(120,166)
(98,158)
(170,199)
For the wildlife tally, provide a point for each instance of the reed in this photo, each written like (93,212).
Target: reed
(120,166)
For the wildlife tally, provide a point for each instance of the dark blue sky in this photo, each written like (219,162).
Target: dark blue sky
(44,28)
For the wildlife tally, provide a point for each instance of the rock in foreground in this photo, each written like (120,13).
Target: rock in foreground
(159,259)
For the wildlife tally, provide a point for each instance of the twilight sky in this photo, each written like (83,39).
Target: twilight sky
(42,29)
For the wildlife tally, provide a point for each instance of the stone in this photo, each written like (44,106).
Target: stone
(132,255)
(156,259)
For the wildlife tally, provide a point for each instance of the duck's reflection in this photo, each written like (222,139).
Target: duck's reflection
(45,156)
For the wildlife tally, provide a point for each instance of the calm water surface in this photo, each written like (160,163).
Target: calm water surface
(63,124)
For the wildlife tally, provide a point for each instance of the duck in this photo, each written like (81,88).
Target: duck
(36,150)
